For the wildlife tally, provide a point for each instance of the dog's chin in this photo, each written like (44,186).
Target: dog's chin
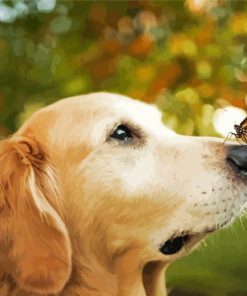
(184,242)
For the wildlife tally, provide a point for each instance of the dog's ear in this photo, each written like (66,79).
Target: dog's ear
(40,252)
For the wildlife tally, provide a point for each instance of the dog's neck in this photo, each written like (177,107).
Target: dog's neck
(120,276)
(91,279)
(98,269)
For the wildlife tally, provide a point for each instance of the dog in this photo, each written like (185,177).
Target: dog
(98,197)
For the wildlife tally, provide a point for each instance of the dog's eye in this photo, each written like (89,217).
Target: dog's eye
(122,133)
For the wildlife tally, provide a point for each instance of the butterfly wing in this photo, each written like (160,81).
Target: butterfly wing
(244,136)
(243,123)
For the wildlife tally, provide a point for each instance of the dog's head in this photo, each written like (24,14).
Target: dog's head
(133,195)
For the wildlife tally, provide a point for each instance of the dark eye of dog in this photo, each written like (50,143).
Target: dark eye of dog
(122,133)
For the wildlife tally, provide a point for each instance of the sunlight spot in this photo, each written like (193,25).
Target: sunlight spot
(225,118)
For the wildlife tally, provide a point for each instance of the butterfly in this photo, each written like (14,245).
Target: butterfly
(240,131)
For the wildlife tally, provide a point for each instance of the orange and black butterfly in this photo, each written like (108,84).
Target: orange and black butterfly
(240,131)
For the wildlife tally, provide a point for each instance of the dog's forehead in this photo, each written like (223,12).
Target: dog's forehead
(108,109)
(119,105)
(104,108)
(90,115)
(137,111)
(115,109)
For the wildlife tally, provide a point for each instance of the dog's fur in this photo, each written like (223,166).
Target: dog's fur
(84,214)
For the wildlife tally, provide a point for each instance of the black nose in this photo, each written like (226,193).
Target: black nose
(237,156)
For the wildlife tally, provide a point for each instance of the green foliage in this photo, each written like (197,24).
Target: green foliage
(187,56)
(216,268)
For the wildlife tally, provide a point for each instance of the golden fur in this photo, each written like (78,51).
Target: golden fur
(82,215)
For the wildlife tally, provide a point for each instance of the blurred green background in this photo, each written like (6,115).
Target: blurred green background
(188,57)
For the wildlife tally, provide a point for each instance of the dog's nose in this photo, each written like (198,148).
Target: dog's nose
(237,155)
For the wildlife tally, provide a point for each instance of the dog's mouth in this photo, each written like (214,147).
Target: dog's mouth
(176,243)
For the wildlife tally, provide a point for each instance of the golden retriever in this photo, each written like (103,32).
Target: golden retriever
(97,197)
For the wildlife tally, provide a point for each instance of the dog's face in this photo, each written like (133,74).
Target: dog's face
(131,191)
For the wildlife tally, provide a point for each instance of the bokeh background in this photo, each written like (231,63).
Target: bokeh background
(188,57)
